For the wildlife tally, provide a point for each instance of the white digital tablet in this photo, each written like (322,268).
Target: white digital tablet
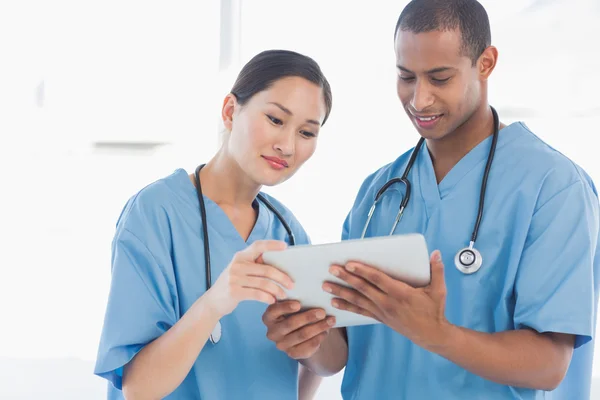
(404,257)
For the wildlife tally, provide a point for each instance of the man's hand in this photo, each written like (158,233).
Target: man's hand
(523,357)
(416,313)
(299,335)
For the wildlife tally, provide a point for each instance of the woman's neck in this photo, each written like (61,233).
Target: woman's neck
(225,183)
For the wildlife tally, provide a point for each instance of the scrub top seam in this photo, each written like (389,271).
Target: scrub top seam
(539,140)
(128,210)
(569,186)
(135,267)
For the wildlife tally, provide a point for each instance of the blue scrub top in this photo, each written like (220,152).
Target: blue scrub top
(158,272)
(538,239)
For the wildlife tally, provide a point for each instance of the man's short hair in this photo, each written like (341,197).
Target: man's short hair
(467,16)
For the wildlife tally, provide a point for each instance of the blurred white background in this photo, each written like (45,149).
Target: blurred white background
(98,98)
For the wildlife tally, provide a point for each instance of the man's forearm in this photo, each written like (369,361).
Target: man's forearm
(521,358)
(331,357)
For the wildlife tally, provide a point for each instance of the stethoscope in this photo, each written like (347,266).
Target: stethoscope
(468,260)
(215,335)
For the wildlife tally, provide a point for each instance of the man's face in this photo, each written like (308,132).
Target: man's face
(438,85)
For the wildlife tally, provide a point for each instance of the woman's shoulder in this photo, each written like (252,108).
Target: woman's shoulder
(152,204)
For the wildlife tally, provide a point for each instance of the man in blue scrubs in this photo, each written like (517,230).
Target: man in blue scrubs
(522,326)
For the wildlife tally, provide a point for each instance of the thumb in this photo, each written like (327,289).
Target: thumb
(438,281)
(253,253)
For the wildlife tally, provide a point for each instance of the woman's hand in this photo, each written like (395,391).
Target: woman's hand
(247,278)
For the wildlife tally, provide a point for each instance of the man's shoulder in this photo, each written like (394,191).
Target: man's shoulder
(535,162)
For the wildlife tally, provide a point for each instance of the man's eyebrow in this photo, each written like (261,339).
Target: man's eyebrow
(431,71)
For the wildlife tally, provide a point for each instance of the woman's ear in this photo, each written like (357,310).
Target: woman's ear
(229,106)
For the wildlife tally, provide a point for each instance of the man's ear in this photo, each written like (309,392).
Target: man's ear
(487,62)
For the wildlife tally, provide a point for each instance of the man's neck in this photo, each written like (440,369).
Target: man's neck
(449,150)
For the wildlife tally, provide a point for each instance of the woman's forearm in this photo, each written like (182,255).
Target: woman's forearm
(160,367)
(308,383)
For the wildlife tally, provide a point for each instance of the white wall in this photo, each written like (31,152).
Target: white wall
(96,100)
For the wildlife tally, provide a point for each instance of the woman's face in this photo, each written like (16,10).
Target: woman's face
(276,131)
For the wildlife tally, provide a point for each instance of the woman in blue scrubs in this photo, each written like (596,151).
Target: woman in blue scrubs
(155,340)
(522,325)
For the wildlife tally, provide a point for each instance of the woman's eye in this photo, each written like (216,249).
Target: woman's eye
(307,134)
(274,120)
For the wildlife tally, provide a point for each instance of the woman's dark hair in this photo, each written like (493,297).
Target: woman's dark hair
(266,68)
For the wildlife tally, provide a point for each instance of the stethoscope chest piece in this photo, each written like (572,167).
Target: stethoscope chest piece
(468,260)
(215,335)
